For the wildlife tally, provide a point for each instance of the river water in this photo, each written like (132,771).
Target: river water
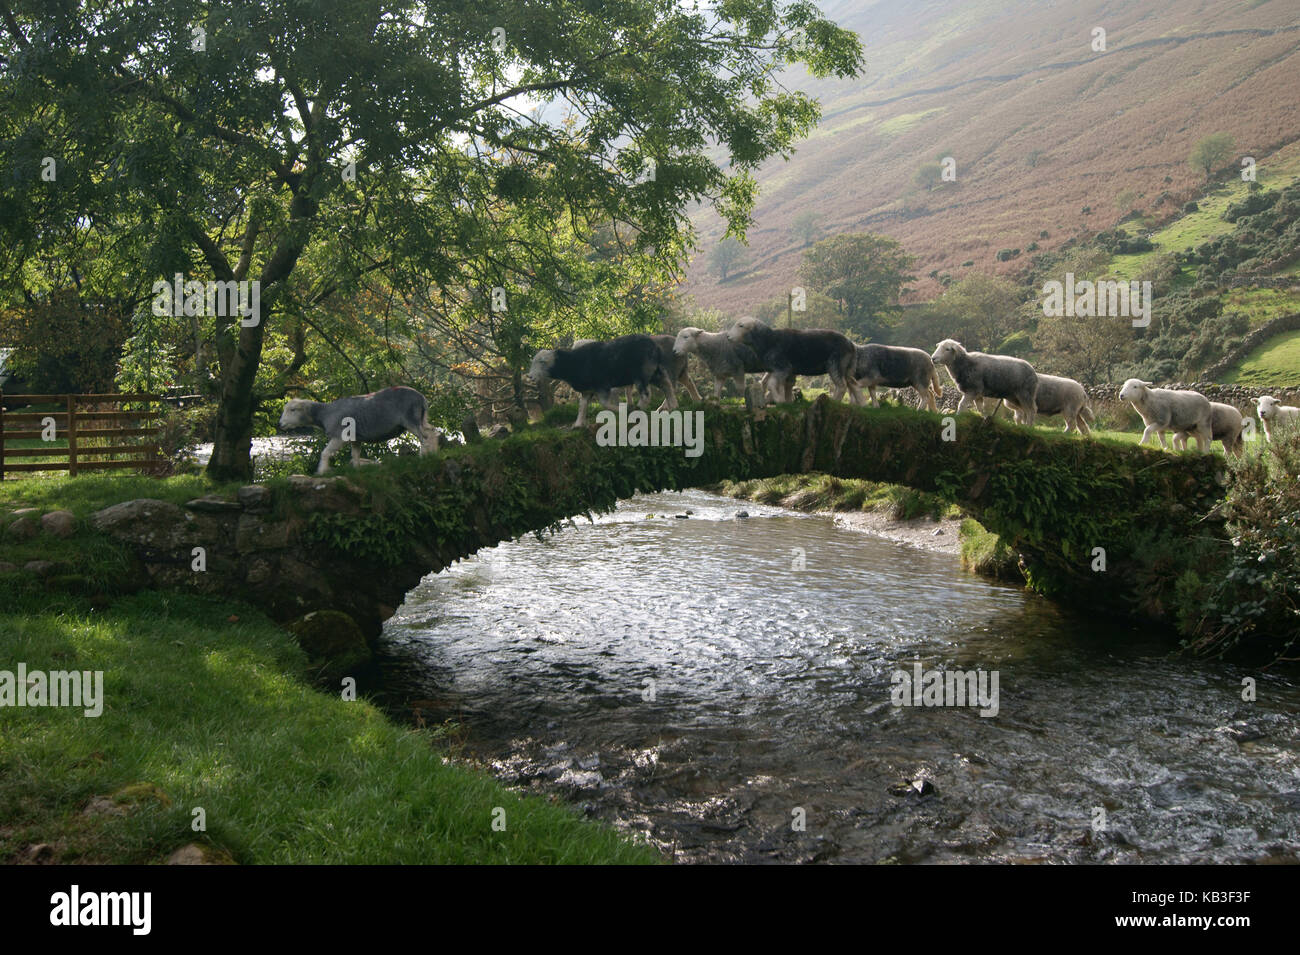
(682,680)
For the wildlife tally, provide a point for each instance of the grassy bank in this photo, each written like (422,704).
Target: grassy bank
(205,707)
(982,551)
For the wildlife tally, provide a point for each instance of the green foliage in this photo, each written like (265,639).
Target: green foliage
(865,273)
(1256,598)
(1211,152)
(64,344)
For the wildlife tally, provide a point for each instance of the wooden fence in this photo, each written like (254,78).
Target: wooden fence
(83,433)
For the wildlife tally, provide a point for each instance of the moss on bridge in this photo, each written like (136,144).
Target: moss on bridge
(1055,499)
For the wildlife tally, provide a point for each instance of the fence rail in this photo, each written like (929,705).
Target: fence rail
(72,432)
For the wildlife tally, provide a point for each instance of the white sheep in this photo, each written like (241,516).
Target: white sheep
(1226,426)
(979,376)
(1063,396)
(1273,414)
(1163,409)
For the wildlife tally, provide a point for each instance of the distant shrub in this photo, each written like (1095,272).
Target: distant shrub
(1253,203)
(1190,207)
(968,263)
(1005,255)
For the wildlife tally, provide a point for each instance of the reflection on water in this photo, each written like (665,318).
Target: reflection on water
(680,679)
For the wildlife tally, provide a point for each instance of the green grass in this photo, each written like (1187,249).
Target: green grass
(900,124)
(1276,362)
(1190,230)
(204,711)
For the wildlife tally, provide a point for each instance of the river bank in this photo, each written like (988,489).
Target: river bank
(895,513)
(212,742)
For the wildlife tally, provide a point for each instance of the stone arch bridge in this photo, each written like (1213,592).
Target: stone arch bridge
(358,543)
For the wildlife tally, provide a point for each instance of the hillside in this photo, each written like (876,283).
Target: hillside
(1040,126)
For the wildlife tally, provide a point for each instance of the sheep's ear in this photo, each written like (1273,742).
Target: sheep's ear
(1148,384)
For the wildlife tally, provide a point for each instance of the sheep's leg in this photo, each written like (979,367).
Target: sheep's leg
(871,390)
(966,402)
(927,397)
(1204,439)
(776,387)
(356,455)
(837,390)
(789,389)
(685,380)
(644,389)
(855,393)
(331,447)
(670,394)
(583,400)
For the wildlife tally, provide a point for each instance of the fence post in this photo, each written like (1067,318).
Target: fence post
(72,435)
(2,434)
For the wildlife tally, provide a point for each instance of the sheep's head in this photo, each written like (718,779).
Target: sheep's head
(688,339)
(540,369)
(743,328)
(946,351)
(1133,389)
(296,414)
(1267,407)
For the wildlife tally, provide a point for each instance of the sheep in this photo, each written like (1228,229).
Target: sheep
(600,367)
(677,362)
(1165,410)
(374,417)
(979,376)
(723,357)
(889,366)
(1225,425)
(1273,414)
(786,352)
(1063,396)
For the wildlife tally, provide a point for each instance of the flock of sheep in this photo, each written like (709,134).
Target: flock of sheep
(600,368)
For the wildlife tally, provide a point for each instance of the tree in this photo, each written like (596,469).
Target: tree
(727,255)
(981,310)
(311,147)
(1211,153)
(1089,349)
(864,274)
(807,226)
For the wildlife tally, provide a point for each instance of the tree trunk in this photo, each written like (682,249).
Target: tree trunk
(232,444)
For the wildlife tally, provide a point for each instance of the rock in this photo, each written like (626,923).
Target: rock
(25,528)
(915,788)
(469,428)
(937,533)
(146,522)
(499,431)
(40,853)
(333,642)
(196,853)
(103,806)
(254,497)
(681,517)
(213,504)
(59,523)
(743,514)
(41,568)
(25,512)
(254,534)
(335,494)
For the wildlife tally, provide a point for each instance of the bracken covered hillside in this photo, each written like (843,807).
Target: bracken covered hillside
(1040,127)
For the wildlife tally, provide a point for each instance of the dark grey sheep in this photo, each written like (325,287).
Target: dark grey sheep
(597,368)
(889,366)
(787,352)
(375,417)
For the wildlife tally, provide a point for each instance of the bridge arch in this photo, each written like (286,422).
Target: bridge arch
(359,543)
